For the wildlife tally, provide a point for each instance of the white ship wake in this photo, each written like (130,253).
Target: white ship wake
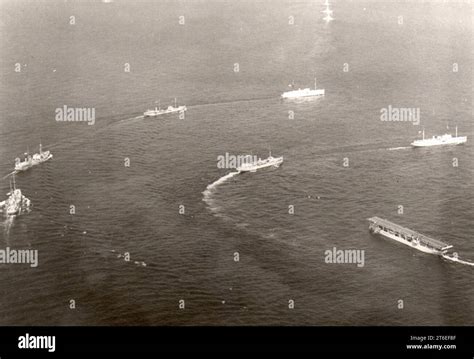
(398,148)
(207,194)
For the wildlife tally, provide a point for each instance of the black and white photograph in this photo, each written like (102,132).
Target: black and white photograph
(237,163)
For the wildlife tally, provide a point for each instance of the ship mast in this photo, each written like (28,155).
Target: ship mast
(315,87)
(456,131)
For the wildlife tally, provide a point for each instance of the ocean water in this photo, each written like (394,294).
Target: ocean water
(173,162)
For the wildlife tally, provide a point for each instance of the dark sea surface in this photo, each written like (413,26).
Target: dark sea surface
(190,256)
